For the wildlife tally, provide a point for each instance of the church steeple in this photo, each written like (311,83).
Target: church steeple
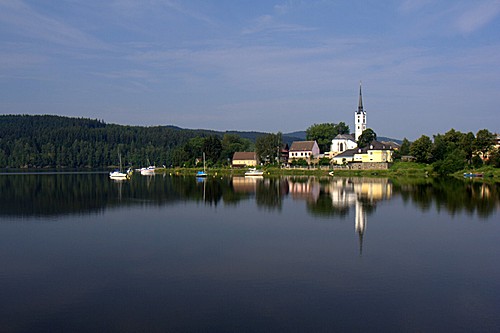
(359,117)
(360,102)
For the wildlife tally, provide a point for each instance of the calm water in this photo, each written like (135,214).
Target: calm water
(79,252)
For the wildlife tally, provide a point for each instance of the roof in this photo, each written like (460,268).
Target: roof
(244,155)
(347,153)
(376,145)
(345,137)
(302,145)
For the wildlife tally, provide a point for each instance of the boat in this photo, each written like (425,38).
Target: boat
(204,172)
(149,171)
(254,172)
(331,173)
(118,174)
(472,175)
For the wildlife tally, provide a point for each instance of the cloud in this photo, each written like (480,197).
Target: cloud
(131,8)
(410,6)
(267,23)
(476,18)
(26,21)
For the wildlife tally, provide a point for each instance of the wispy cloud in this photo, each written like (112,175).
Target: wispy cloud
(26,21)
(267,23)
(410,6)
(137,8)
(477,17)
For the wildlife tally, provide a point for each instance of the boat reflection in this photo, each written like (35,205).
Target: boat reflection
(58,194)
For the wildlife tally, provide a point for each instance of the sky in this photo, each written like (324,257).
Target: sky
(426,66)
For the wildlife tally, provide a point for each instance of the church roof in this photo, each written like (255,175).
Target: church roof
(345,137)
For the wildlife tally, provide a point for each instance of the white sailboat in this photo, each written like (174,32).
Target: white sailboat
(204,172)
(119,174)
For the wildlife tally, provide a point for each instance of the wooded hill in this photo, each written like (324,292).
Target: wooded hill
(28,141)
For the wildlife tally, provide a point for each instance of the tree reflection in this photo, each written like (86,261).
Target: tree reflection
(76,193)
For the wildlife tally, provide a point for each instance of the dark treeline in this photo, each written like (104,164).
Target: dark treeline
(454,150)
(55,194)
(61,142)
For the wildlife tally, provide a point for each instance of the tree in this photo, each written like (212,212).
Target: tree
(467,145)
(212,147)
(342,128)
(484,141)
(451,164)
(366,137)
(268,147)
(232,143)
(494,159)
(404,150)
(324,133)
(421,149)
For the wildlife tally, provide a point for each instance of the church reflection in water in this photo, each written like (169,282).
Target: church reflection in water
(362,194)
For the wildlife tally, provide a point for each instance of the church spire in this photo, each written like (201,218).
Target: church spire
(359,117)
(360,103)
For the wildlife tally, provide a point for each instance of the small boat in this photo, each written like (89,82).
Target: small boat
(118,174)
(201,174)
(149,171)
(472,175)
(331,173)
(254,172)
(204,172)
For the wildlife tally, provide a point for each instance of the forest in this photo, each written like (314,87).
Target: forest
(47,141)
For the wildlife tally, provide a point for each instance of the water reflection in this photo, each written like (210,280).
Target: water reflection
(61,194)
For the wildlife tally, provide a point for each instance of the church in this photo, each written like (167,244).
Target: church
(344,148)
(343,142)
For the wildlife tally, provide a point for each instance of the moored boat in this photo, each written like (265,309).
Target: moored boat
(149,171)
(254,172)
(119,175)
(472,175)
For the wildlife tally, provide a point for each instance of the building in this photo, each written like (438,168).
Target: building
(376,152)
(303,149)
(359,118)
(244,159)
(341,143)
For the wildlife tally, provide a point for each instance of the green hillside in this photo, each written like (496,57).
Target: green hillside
(47,141)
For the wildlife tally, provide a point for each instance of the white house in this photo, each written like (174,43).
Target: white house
(303,149)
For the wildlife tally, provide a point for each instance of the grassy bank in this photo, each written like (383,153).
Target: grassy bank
(397,170)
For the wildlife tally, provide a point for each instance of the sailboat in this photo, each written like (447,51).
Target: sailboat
(119,174)
(149,171)
(204,172)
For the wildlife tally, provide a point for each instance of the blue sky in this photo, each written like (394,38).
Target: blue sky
(426,65)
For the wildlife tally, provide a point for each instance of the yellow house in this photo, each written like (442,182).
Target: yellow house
(242,159)
(376,152)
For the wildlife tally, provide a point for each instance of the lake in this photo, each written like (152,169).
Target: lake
(80,252)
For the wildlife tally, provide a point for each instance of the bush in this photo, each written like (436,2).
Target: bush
(451,164)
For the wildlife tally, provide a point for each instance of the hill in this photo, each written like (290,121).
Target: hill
(57,142)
